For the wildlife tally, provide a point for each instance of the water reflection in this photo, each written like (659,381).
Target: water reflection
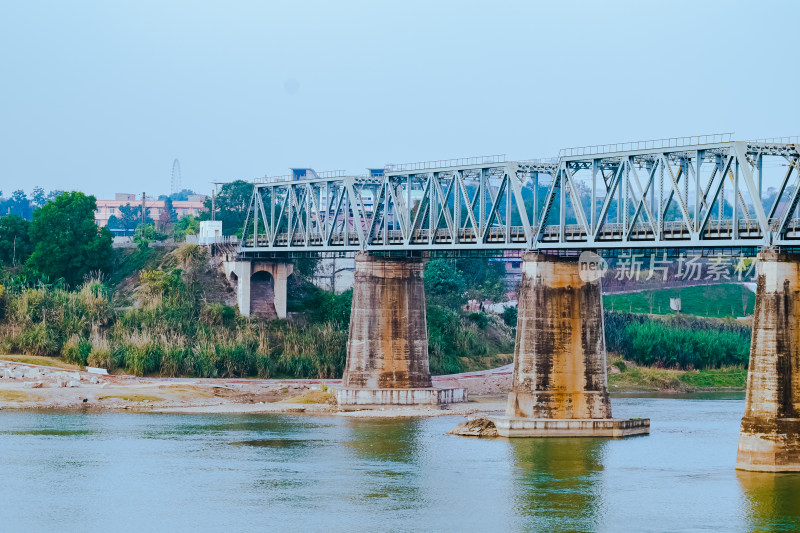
(194,473)
(558,483)
(384,440)
(771,501)
(385,455)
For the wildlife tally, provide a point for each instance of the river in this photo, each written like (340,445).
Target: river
(114,471)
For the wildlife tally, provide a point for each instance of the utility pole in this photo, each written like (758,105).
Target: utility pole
(143,209)
(214,199)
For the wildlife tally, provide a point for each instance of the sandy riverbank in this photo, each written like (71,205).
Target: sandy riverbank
(31,386)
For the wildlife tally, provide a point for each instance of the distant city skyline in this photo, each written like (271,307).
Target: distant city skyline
(102,97)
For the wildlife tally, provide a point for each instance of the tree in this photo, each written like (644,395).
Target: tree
(145,234)
(20,205)
(484,279)
(15,244)
(444,283)
(167,215)
(37,197)
(129,217)
(181,196)
(231,203)
(188,225)
(66,241)
(55,193)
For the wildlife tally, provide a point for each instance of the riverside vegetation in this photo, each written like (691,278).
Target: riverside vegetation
(154,311)
(170,318)
(170,325)
(64,292)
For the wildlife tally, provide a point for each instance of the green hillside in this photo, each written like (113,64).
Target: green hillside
(726,300)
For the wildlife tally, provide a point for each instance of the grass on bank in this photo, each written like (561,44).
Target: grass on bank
(18,396)
(634,378)
(314,396)
(40,360)
(725,300)
(132,398)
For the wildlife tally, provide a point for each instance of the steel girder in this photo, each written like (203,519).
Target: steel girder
(701,195)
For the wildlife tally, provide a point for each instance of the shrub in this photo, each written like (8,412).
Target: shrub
(217,314)
(100,355)
(143,354)
(75,350)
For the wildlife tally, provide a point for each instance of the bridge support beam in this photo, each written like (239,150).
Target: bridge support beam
(769,438)
(260,286)
(387,350)
(559,385)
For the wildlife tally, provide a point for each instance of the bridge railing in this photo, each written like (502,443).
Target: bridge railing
(653,144)
(444,163)
(776,140)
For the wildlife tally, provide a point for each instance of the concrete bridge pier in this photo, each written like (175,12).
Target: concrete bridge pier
(769,438)
(260,286)
(559,385)
(387,348)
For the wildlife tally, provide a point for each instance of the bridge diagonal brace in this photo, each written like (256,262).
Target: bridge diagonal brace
(267,230)
(676,190)
(642,201)
(616,179)
(740,151)
(442,208)
(577,206)
(494,210)
(548,203)
(710,201)
(348,182)
(516,190)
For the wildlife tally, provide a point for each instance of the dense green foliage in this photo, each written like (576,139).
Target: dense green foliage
(145,234)
(129,217)
(173,332)
(15,242)
(456,339)
(677,342)
(188,225)
(66,241)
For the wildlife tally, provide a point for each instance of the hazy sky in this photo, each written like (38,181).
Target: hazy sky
(101,96)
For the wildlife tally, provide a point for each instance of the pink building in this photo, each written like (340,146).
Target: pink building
(108,208)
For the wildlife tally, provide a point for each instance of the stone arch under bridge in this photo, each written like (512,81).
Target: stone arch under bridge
(262,294)
(260,286)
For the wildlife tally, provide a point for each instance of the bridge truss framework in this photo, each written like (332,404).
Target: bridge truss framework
(698,192)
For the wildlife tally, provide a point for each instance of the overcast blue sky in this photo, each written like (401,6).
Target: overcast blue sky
(101,96)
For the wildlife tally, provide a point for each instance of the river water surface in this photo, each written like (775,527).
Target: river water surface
(151,472)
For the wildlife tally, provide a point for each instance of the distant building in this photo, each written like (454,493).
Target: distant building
(210,231)
(108,208)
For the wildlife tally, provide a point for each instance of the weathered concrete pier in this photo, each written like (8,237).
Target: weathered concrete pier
(559,385)
(387,348)
(769,439)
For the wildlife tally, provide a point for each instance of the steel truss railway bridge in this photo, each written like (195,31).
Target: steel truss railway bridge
(700,193)
(693,192)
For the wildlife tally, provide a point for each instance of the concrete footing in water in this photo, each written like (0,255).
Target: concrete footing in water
(387,347)
(547,427)
(559,385)
(769,438)
(429,396)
